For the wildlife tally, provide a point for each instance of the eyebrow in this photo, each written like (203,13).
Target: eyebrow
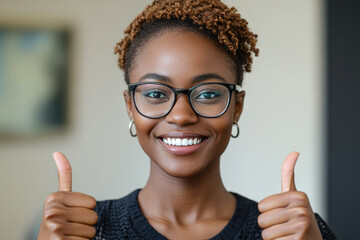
(196,79)
(203,77)
(155,76)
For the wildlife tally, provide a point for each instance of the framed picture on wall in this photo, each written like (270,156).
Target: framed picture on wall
(34,76)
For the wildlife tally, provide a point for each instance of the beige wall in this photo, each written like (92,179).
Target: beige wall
(284,110)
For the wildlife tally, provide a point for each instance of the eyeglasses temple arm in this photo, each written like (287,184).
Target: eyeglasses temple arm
(238,88)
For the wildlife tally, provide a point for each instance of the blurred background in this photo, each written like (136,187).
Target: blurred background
(61,90)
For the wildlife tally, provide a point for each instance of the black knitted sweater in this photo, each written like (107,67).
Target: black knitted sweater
(122,219)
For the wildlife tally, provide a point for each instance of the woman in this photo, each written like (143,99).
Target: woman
(184,62)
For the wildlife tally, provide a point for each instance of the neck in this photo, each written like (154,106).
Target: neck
(185,200)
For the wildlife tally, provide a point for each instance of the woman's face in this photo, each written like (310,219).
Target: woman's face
(181,56)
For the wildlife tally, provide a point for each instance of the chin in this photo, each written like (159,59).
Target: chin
(184,167)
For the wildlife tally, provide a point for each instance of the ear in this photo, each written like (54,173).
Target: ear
(128,103)
(239,105)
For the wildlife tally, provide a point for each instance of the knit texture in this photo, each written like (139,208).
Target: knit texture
(122,219)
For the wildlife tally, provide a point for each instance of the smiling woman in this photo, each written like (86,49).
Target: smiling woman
(184,63)
(186,59)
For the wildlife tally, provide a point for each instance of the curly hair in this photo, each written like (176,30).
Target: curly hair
(212,18)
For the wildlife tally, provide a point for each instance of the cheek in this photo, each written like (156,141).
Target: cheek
(223,131)
(144,128)
(224,123)
(221,128)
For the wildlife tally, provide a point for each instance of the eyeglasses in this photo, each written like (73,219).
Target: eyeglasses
(155,99)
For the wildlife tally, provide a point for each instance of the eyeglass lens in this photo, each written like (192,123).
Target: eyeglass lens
(155,100)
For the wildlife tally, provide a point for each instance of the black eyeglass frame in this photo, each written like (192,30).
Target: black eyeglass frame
(230,87)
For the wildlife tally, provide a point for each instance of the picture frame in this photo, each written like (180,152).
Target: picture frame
(34,77)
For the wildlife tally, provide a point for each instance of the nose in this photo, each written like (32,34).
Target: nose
(182,113)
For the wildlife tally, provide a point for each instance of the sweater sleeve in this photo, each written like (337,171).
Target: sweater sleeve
(324,229)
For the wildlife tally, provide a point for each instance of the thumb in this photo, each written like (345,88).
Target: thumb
(64,172)
(287,172)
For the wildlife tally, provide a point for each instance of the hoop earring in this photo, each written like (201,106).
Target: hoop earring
(131,124)
(237,130)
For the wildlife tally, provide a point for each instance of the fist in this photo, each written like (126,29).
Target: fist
(288,215)
(67,214)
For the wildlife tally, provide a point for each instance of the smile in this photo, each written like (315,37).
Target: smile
(182,141)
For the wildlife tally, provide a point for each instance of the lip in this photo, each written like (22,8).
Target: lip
(182,150)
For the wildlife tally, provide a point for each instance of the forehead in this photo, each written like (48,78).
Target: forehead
(181,55)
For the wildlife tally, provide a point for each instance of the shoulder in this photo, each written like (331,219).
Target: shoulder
(244,201)
(246,215)
(118,205)
(114,217)
(326,232)
(247,207)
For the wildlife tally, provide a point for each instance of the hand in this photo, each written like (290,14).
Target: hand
(66,214)
(288,215)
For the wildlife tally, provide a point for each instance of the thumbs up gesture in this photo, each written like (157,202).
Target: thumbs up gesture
(67,214)
(288,215)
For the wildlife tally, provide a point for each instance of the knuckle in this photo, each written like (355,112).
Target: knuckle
(66,170)
(56,228)
(52,198)
(55,198)
(52,213)
(303,226)
(301,196)
(302,212)
(57,237)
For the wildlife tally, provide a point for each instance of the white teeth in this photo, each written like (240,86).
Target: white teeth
(182,141)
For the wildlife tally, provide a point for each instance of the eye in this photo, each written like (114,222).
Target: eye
(208,94)
(154,93)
